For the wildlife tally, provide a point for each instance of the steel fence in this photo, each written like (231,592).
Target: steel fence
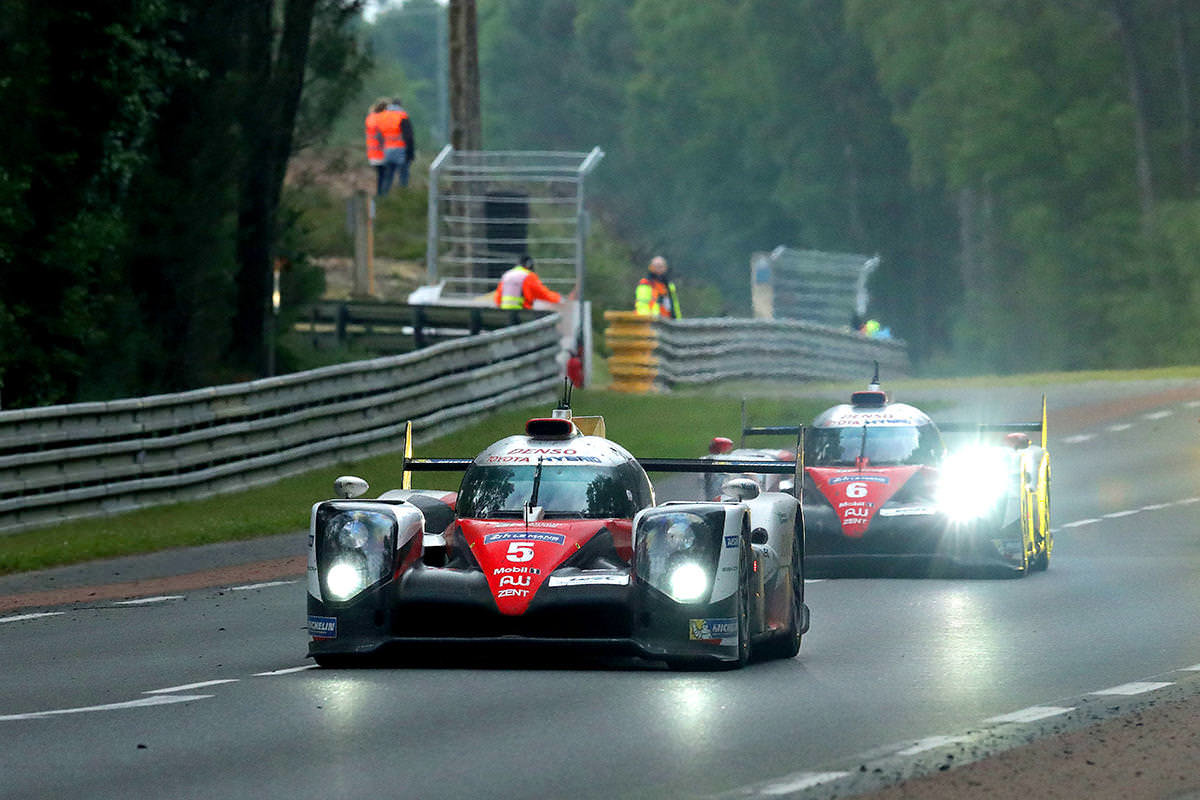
(88,459)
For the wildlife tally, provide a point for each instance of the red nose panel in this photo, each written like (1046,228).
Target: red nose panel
(516,560)
(857,495)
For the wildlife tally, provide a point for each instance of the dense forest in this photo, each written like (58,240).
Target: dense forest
(1025,168)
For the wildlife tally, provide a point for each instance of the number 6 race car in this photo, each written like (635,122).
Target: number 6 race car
(880,491)
(554,538)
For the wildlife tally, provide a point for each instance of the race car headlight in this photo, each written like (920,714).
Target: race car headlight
(676,552)
(688,581)
(973,482)
(355,549)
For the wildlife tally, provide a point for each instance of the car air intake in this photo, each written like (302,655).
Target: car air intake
(544,428)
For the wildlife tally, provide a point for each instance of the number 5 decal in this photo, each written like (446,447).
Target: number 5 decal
(856,490)
(519,552)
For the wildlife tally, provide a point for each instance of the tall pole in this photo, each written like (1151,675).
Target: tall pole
(466,129)
(466,134)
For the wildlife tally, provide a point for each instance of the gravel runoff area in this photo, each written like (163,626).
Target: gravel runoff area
(1126,751)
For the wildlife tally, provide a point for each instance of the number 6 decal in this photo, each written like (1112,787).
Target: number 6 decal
(856,490)
(518,551)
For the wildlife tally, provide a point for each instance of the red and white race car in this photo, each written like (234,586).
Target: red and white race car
(554,538)
(882,494)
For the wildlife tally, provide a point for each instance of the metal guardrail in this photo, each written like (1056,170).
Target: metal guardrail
(702,351)
(88,459)
(400,328)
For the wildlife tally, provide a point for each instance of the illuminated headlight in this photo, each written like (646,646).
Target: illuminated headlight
(688,582)
(355,551)
(345,580)
(973,482)
(677,552)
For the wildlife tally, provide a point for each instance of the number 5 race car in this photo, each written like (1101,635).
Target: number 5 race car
(554,538)
(880,491)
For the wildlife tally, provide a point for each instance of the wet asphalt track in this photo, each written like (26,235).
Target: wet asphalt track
(198,697)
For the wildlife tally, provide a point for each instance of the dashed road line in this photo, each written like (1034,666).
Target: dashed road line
(141,601)
(929,744)
(1031,714)
(287,671)
(1124,426)
(1136,687)
(1119,514)
(1158,414)
(1079,438)
(797,782)
(260,585)
(39,615)
(187,687)
(1079,523)
(159,700)
(1192,668)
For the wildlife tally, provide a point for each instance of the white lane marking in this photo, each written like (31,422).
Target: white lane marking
(814,580)
(1192,668)
(141,601)
(260,585)
(1136,687)
(1079,523)
(160,700)
(1079,438)
(798,781)
(1157,506)
(1124,426)
(287,671)
(187,687)
(1189,501)
(1158,414)
(1031,714)
(38,615)
(1119,514)
(1192,404)
(929,744)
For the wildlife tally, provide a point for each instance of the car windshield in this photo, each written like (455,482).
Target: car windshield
(880,445)
(565,490)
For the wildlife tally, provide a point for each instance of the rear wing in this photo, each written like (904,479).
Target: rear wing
(944,427)
(999,427)
(692,465)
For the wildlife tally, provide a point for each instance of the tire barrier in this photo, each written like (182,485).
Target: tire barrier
(631,339)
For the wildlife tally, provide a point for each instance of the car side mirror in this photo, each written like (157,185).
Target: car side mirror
(740,489)
(759,536)
(720,445)
(348,487)
(1017,441)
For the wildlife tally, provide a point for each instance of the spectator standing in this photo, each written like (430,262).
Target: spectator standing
(399,144)
(375,141)
(520,286)
(655,293)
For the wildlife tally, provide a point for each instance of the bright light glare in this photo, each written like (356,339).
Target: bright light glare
(972,481)
(688,582)
(344,580)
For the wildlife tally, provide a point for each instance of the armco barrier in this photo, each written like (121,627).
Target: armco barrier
(698,351)
(662,353)
(87,459)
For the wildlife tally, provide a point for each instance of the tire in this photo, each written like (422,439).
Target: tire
(786,644)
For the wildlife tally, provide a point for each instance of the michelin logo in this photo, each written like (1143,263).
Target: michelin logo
(322,627)
(714,631)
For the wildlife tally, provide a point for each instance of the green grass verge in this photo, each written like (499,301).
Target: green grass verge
(676,425)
